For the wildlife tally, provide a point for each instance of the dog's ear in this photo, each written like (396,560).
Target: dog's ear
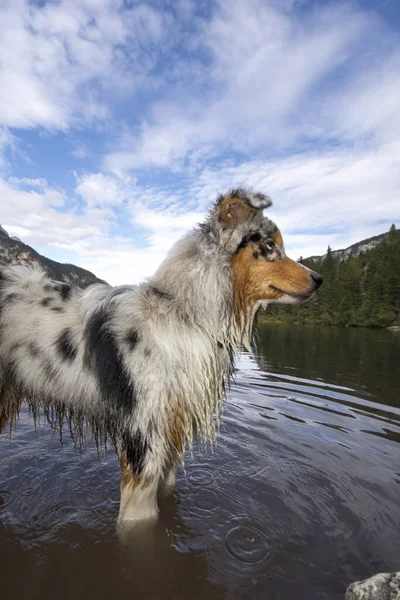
(239,213)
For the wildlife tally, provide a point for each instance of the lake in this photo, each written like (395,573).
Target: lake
(300,497)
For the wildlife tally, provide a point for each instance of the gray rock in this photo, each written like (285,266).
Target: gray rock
(3,232)
(384,586)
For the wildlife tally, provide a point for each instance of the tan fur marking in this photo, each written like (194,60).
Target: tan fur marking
(10,404)
(128,477)
(255,280)
(234,211)
(277,237)
(177,432)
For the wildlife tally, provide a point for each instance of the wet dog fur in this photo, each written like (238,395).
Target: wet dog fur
(148,364)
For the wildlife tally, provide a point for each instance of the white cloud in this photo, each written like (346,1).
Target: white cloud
(161,221)
(39,183)
(7,142)
(265,64)
(334,197)
(80,152)
(368,105)
(41,190)
(37,212)
(45,218)
(100,190)
(121,264)
(60,61)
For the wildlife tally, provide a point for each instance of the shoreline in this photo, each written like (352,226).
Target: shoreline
(276,321)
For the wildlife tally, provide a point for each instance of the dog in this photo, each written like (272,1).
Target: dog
(148,364)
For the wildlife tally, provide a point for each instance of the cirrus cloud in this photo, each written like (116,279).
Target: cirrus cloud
(120,122)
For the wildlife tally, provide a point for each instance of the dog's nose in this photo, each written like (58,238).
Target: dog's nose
(317,278)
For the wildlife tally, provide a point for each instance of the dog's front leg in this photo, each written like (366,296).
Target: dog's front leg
(138,494)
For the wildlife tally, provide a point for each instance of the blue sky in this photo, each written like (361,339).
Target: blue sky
(120,122)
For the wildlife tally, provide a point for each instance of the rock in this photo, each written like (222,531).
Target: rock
(3,232)
(384,586)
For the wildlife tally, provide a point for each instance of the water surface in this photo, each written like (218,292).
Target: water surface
(299,497)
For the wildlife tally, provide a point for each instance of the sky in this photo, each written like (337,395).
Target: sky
(121,121)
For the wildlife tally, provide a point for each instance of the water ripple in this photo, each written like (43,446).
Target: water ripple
(247,545)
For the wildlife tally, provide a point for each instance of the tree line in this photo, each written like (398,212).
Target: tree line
(358,291)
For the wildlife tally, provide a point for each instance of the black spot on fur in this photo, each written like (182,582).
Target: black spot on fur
(57,309)
(136,448)
(65,345)
(11,371)
(46,301)
(132,338)
(10,298)
(49,369)
(33,349)
(104,357)
(253,237)
(64,289)
(160,293)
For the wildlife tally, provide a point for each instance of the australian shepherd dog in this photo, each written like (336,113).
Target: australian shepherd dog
(148,364)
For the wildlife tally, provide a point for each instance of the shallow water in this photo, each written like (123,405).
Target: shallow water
(299,497)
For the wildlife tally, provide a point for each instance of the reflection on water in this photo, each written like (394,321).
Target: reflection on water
(299,497)
(366,360)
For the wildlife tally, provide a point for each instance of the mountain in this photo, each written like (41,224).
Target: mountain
(354,249)
(361,286)
(15,252)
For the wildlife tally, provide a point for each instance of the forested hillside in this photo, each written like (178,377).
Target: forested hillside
(359,289)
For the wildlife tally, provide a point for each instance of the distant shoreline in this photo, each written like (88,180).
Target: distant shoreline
(276,321)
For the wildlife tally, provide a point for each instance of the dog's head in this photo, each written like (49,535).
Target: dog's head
(262,271)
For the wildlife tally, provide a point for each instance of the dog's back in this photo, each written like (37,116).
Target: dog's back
(125,358)
(43,324)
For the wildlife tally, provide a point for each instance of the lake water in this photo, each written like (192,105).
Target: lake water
(300,497)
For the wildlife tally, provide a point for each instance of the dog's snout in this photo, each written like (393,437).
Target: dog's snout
(317,278)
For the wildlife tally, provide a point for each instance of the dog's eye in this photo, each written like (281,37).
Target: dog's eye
(269,245)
